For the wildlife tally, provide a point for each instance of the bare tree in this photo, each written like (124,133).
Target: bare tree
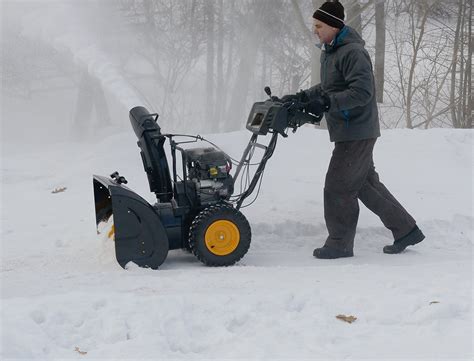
(248,57)
(461,70)
(172,37)
(379,49)
(354,14)
(431,48)
(416,41)
(90,96)
(210,57)
(220,63)
(315,54)
(310,38)
(433,84)
(468,82)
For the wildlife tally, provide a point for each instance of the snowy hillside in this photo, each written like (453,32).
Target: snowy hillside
(63,296)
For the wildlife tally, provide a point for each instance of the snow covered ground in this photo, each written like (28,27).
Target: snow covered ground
(63,296)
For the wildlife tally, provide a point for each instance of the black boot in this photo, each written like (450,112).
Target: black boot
(415,236)
(331,253)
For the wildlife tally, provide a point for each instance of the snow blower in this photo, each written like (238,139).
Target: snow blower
(196,208)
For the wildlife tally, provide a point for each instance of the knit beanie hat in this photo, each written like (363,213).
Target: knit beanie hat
(331,13)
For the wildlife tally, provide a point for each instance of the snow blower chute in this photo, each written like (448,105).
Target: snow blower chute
(196,209)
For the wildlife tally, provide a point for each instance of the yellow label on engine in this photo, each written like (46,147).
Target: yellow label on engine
(213,172)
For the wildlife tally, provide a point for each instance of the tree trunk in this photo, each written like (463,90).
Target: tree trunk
(263,78)
(84,105)
(416,44)
(354,17)
(469,110)
(464,108)
(452,101)
(461,114)
(229,65)
(90,95)
(101,107)
(379,49)
(316,53)
(295,82)
(220,62)
(311,38)
(248,59)
(210,104)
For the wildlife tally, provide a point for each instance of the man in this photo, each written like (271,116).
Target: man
(347,95)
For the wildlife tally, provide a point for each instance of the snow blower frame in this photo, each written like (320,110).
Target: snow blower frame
(197,210)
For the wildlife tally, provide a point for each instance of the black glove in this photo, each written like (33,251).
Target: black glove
(317,105)
(289,98)
(299,97)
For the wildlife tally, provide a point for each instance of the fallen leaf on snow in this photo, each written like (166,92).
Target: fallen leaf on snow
(433,302)
(58,190)
(348,319)
(80,352)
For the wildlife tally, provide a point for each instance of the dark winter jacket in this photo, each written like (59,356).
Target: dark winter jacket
(347,78)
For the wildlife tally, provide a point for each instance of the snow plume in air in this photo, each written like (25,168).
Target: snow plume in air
(78,28)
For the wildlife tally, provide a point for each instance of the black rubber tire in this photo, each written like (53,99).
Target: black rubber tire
(200,225)
(186,227)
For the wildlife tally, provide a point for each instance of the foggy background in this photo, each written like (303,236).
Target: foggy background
(71,70)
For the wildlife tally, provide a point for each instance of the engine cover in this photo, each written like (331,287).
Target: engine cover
(209,169)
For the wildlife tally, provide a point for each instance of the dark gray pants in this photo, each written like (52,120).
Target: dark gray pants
(352,176)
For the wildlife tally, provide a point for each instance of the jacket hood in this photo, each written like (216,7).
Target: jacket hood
(346,35)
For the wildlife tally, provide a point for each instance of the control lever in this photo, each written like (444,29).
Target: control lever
(269,93)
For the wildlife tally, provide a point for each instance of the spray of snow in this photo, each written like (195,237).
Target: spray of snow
(106,238)
(54,25)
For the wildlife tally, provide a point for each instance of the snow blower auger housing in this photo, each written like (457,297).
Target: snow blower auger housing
(197,209)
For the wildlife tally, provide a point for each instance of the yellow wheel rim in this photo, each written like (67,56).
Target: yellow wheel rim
(222,237)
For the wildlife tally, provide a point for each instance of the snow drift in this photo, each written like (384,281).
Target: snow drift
(63,297)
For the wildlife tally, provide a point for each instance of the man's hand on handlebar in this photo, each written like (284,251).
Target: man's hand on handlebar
(299,97)
(317,104)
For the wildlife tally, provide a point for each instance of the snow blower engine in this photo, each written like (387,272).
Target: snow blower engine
(196,208)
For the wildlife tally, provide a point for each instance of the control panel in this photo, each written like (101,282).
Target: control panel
(266,116)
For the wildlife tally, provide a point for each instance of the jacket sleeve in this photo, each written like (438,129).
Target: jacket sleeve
(356,68)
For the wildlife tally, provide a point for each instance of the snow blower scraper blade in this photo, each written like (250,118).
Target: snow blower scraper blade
(138,232)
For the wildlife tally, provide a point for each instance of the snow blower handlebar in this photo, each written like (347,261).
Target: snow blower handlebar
(271,116)
(276,116)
